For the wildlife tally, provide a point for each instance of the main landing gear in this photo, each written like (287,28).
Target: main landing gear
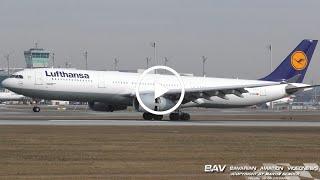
(149,116)
(173,116)
(36,109)
(179,116)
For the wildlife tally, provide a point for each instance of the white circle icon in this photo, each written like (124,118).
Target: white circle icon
(159,90)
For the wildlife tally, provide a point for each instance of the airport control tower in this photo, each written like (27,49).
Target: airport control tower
(37,58)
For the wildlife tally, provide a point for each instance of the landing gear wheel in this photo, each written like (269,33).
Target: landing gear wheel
(185,116)
(147,116)
(157,117)
(174,116)
(36,109)
(179,116)
(110,108)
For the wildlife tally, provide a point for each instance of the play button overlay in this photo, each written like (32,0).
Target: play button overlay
(159,90)
(158,86)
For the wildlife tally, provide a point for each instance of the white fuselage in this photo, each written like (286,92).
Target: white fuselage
(114,87)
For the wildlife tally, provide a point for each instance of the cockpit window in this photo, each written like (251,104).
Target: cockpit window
(16,76)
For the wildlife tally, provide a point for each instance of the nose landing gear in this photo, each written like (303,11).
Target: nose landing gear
(36,108)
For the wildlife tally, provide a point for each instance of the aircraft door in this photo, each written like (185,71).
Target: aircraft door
(38,78)
(101,83)
(263,92)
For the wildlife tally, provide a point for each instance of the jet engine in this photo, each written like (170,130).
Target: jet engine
(99,106)
(160,104)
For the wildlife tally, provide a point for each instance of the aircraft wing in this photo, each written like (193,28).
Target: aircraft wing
(220,91)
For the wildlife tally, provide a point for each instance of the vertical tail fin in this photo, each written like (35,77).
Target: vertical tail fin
(295,65)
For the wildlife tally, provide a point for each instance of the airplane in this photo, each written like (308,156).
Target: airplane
(113,90)
(11,96)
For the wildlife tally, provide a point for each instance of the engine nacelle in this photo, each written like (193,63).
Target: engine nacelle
(162,103)
(99,106)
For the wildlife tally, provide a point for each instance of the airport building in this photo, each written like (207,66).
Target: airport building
(37,58)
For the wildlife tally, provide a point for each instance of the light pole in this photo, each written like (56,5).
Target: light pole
(116,62)
(8,63)
(270,50)
(148,60)
(86,59)
(7,56)
(166,60)
(204,59)
(52,59)
(153,44)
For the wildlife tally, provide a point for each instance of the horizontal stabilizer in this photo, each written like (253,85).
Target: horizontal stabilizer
(290,89)
(294,79)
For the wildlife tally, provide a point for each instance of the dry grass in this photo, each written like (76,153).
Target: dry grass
(65,152)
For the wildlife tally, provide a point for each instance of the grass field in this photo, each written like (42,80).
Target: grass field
(157,152)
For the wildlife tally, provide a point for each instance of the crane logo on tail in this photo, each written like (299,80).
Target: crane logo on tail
(299,60)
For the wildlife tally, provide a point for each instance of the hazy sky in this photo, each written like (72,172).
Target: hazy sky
(233,34)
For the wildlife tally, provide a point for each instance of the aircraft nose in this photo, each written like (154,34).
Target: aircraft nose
(6,83)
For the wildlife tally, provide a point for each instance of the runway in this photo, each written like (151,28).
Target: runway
(23,115)
(103,144)
(243,123)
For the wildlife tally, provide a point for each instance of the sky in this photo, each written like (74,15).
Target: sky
(232,34)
